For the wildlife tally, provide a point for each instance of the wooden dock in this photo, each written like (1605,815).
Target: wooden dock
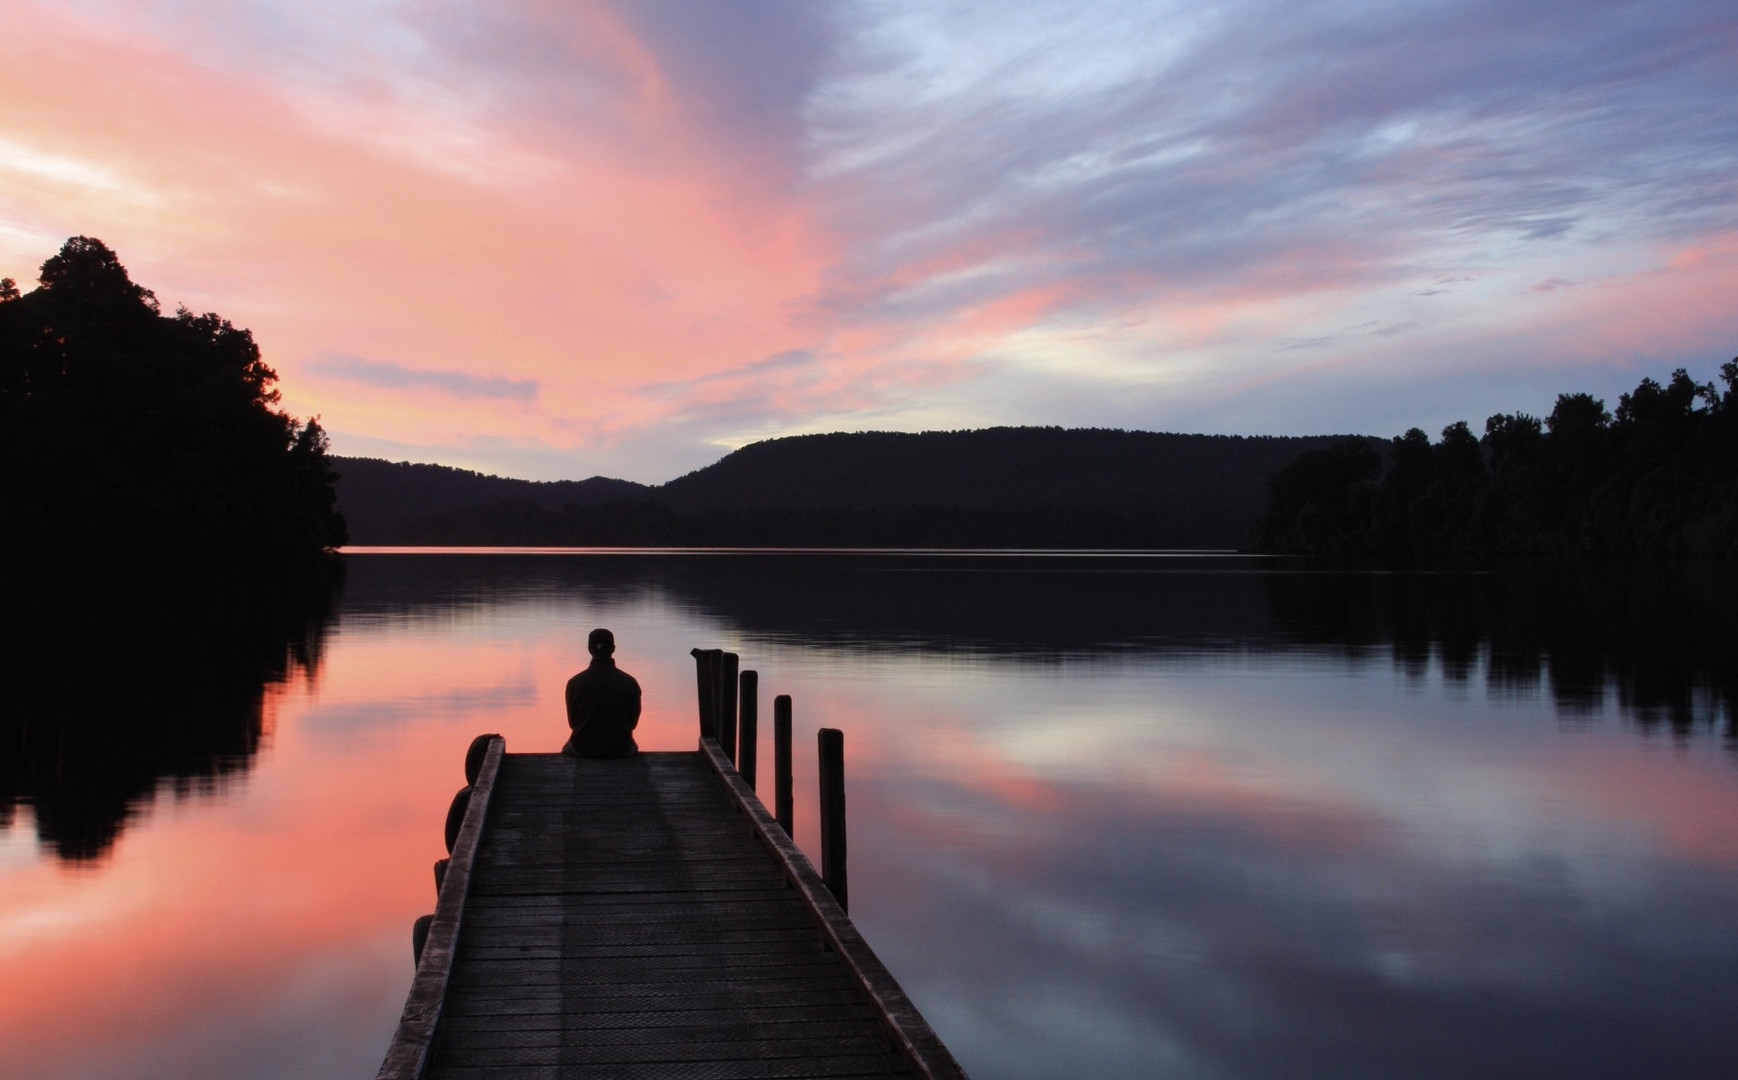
(642,917)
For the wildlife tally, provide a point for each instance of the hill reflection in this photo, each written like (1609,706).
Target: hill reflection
(1653,639)
(111,693)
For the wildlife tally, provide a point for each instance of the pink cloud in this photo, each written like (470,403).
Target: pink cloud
(599,198)
(585,274)
(1680,302)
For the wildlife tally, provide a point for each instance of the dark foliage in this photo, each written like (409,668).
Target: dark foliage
(1657,477)
(131,440)
(1001,487)
(1322,500)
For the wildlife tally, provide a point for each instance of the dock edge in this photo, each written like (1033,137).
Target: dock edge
(408,1056)
(908,1030)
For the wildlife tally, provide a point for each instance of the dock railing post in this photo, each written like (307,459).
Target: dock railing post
(727,704)
(781,761)
(832,750)
(704,667)
(748,726)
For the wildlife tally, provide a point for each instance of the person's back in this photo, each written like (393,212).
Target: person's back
(603,704)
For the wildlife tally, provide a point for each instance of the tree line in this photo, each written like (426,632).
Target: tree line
(1657,476)
(131,439)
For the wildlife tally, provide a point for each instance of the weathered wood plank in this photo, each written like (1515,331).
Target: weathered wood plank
(626,919)
(475,1003)
(675,1050)
(670,1026)
(656,970)
(804,1069)
(553,942)
(917,1041)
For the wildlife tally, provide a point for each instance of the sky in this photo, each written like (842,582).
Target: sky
(562,238)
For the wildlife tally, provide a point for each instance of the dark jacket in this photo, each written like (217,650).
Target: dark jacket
(603,707)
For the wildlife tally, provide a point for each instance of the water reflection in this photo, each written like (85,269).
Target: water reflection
(1658,638)
(110,693)
(1188,818)
(1194,937)
(1233,817)
(1654,638)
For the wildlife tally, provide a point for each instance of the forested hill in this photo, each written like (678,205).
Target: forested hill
(999,487)
(386,502)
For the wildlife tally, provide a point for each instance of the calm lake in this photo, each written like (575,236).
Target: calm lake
(1182,816)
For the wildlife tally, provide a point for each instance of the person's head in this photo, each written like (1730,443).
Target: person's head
(601,642)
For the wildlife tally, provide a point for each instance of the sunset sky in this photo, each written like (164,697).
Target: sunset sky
(563,238)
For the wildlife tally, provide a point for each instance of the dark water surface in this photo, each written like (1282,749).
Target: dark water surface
(1167,816)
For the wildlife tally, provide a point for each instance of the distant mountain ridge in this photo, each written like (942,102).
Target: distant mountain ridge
(993,487)
(392,502)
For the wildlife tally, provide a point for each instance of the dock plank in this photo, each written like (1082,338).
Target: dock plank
(624,920)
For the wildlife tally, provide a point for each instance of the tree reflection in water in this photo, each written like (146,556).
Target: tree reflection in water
(1656,638)
(112,690)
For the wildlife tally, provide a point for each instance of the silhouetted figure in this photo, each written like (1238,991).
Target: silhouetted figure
(603,704)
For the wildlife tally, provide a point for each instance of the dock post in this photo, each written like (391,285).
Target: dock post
(781,761)
(748,726)
(704,669)
(832,748)
(727,704)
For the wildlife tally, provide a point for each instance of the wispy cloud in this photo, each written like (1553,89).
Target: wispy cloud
(1258,130)
(1241,215)
(394,376)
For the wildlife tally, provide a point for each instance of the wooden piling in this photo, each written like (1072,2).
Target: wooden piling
(727,704)
(781,761)
(704,676)
(832,750)
(748,726)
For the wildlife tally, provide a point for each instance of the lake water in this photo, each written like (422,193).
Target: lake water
(1112,816)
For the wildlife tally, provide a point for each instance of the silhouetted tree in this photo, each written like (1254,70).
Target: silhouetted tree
(1514,440)
(1322,502)
(1658,477)
(129,438)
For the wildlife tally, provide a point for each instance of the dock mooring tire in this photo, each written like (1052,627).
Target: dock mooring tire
(474,756)
(456,815)
(419,935)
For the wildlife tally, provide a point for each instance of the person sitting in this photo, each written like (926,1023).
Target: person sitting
(603,704)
